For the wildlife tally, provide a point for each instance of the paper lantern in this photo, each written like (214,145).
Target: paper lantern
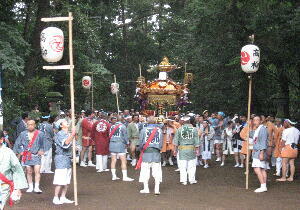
(86,82)
(250,57)
(52,44)
(114,88)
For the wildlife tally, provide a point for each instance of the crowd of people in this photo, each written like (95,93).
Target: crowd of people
(148,143)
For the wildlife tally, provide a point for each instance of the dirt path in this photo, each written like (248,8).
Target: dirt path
(217,188)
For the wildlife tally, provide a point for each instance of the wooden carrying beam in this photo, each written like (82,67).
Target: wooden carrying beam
(58,67)
(56,19)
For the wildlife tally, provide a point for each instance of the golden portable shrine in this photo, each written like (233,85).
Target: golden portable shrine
(163,96)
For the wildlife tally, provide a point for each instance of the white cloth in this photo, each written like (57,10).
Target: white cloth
(206,155)
(118,154)
(290,135)
(145,171)
(101,162)
(187,170)
(256,163)
(255,136)
(46,161)
(62,176)
(218,141)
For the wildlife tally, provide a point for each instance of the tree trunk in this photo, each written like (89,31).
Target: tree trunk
(33,62)
(283,104)
(27,20)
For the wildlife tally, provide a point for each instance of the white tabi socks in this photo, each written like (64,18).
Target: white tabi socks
(146,188)
(113,173)
(104,163)
(156,188)
(30,189)
(125,177)
(99,163)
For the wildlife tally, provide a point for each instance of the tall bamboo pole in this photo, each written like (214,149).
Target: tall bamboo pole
(117,96)
(72,104)
(92,91)
(248,125)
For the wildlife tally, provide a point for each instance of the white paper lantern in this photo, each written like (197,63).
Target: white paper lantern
(86,82)
(52,44)
(250,57)
(114,88)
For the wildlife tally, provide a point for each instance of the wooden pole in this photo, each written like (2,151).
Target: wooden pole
(72,104)
(248,125)
(117,97)
(92,92)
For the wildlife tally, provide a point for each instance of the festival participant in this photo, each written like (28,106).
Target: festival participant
(151,143)
(259,155)
(30,146)
(244,135)
(117,147)
(289,152)
(22,125)
(168,147)
(62,159)
(6,141)
(219,138)
(187,142)
(12,176)
(237,145)
(205,115)
(87,141)
(199,125)
(277,142)
(270,126)
(206,136)
(227,145)
(100,134)
(48,131)
(133,136)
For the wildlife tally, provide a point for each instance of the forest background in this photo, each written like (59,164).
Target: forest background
(115,36)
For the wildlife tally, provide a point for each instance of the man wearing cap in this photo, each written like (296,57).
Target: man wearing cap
(289,152)
(187,143)
(100,134)
(87,141)
(117,147)
(48,131)
(133,136)
(205,114)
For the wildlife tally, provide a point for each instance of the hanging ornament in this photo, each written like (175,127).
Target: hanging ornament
(114,88)
(250,57)
(52,44)
(86,82)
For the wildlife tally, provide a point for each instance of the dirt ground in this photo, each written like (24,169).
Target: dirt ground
(217,188)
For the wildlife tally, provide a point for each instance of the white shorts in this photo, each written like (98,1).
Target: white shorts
(206,155)
(62,176)
(218,141)
(145,171)
(256,163)
(118,154)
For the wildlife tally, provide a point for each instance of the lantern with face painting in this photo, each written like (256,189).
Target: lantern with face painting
(86,82)
(250,57)
(52,44)
(114,88)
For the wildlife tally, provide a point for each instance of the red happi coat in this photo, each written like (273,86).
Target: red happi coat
(100,133)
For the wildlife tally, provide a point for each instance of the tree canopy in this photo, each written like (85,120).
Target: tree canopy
(115,36)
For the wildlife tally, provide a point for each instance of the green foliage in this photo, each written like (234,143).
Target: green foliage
(114,37)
